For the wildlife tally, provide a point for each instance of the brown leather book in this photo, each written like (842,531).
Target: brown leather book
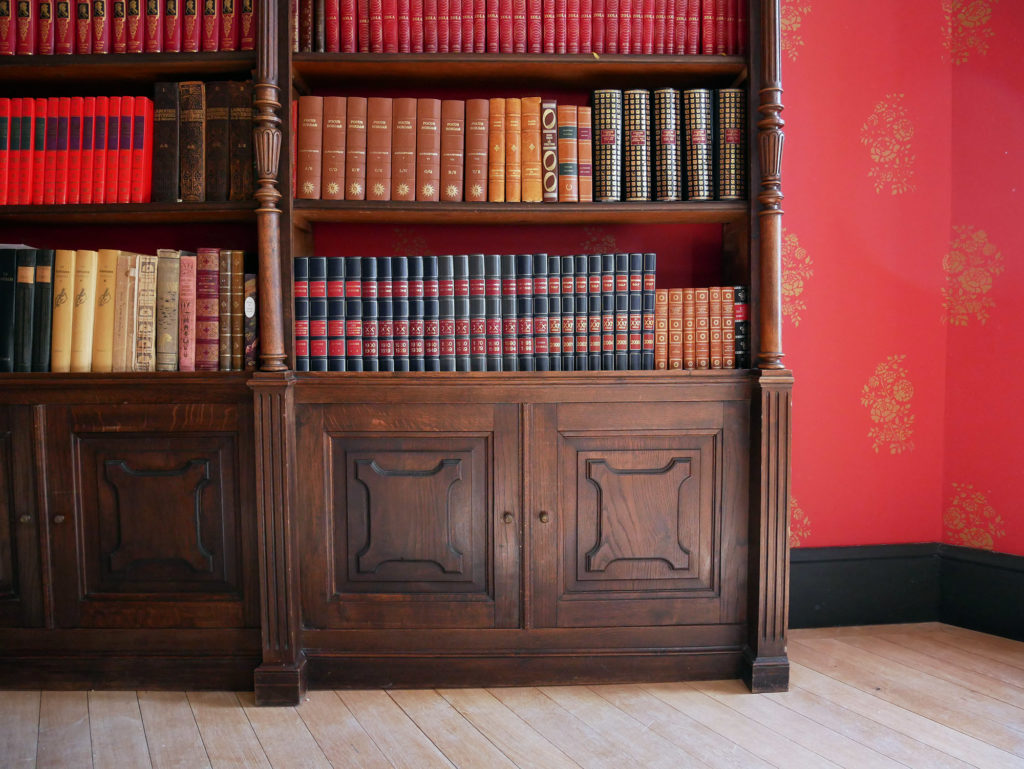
(715,326)
(237,310)
(428,149)
(224,309)
(532,180)
(192,141)
(496,152)
(549,149)
(335,126)
(453,138)
(310,143)
(218,137)
(676,325)
(166,174)
(403,149)
(378,148)
(240,136)
(661,329)
(207,309)
(477,112)
(689,326)
(513,143)
(728,327)
(585,153)
(568,155)
(355,149)
(701,302)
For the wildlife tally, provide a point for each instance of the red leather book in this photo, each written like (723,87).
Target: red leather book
(123,193)
(468,26)
(82,23)
(25,20)
(404,27)
(731,8)
(443,6)
(209,39)
(187,313)
(5,146)
(453,149)
(247,25)
(649,26)
(309,139)
(100,27)
(363,26)
(636,19)
(50,148)
(85,153)
(547,18)
(355,149)
(670,26)
(190,20)
(135,30)
(572,26)
(118,26)
(598,27)
(60,180)
(720,39)
(534,26)
(492,26)
(403,149)
(707,26)
(306,26)
(519,26)
(479,26)
(112,157)
(504,26)
(98,177)
(477,113)
(430,26)
(561,26)
(153,18)
(230,32)
(428,149)
(142,151)
(693,36)
(45,27)
(378,147)
(8,29)
(334,128)
(660,25)
(12,187)
(376,9)
(20,176)
(390,25)
(348,26)
(741,27)
(455,26)
(39,151)
(207,327)
(611,26)
(416,26)
(586,26)
(626,25)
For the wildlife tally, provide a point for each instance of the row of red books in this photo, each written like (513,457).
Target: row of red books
(91,149)
(126,26)
(673,27)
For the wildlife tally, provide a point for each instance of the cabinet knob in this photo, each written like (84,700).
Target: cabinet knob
(508,518)
(544,517)
(25,518)
(58,519)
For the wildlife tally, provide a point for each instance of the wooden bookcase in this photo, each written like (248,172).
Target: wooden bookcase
(570,565)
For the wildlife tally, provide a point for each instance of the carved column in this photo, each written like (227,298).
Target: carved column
(771,139)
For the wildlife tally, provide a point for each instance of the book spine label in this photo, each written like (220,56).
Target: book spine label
(192,141)
(477,116)
(568,170)
(428,149)
(334,124)
(533,181)
(585,145)
(209,39)
(549,151)
(403,149)
(453,130)
(247,25)
(496,152)
(355,149)
(636,167)
(378,148)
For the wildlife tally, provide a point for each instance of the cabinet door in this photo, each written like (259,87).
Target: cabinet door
(638,514)
(409,515)
(154,513)
(20,586)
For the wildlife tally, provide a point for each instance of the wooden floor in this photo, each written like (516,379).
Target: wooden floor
(926,695)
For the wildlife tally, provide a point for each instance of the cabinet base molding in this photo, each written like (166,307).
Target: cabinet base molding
(280,684)
(765,674)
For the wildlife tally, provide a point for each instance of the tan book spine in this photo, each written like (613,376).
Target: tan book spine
(496,151)
(689,330)
(355,149)
(568,155)
(585,149)
(513,154)
(63,310)
(477,113)
(378,148)
(403,149)
(715,326)
(237,310)
(168,278)
(124,310)
(728,327)
(428,149)
(310,146)
(187,314)
(530,150)
(661,329)
(145,314)
(675,328)
(453,149)
(335,125)
(701,302)
(224,309)
(103,320)
(84,299)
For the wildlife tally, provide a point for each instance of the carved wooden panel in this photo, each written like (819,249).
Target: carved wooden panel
(20,586)
(8,519)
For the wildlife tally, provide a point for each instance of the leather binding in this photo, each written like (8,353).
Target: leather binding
(693,36)
(416,32)
(86,153)
(246,25)
(238,310)
(400,310)
(431,316)
(153,20)
(689,328)
(636,321)
(386,322)
(240,141)
(45,32)
(621,312)
(403,149)
(721,27)
(468,26)
(648,22)
(319,26)
(636,164)
(42,310)
(479,26)
(187,312)
(741,325)
(661,329)
(741,28)
(561,25)
(113,155)
(172,25)
(549,150)
(668,182)
(519,26)
(144,358)
(225,290)
(701,301)
(513,147)
(572,26)
(208,310)
(636,27)
(378,148)
(477,114)
(697,134)
(453,133)
(505,26)
(305,24)
(23,160)
(25,13)
(335,313)
(230,34)
(568,313)
(660,26)
(332,173)
(125,287)
(371,316)
(430,41)
(547,15)
(250,323)
(455,26)
(416,344)
(8,29)
(626,25)
(496,152)
(598,27)
(534,26)
(166,174)
(707,26)
(731,8)
(403,22)
(594,314)
(492,312)
(363,28)
(168,280)
(491,27)
(586,26)
(541,313)
(509,318)
(680,341)
(317,314)
(531,151)
(376,9)
(62,177)
(428,149)
(84,312)
(353,314)
(17,150)
(24,303)
(729,126)
(524,312)
(585,151)
(607,128)
(715,326)
(670,27)
(218,126)
(135,28)
(568,170)
(647,314)
(118,27)
(728,328)
(443,29)
(477,301)
(38,165)
(446,312)
(191,140)
(581,314)
(608,312)
(293,24)
(347,34)
(50,156)
(83,26)
(62,317)
(126,125)
(555,313)
(355,150)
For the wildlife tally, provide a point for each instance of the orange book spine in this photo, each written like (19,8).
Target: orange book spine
(428,150)
(477,112)
(728,327)
(453,138)
(568,155)
(513,157)
(701,302)
(661,329)
(403,149)
(310,147)
(715,326)
(675,328)
(585,144)
(332,168)
(530,150)
(378,148)
(355,149)
(689,330)
(496,152)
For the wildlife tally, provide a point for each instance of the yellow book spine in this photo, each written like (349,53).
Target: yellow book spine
(103,322)
(63,310)
(530,150)
(496,152)
(85,310)
(513,156)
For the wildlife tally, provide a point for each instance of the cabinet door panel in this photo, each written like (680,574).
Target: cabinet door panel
(20,586)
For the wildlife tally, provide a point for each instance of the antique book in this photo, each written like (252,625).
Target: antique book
(168,279)
(509,314)
(145,314)
(702,327)
(172,26)
(75,128)
(676,331)
(300,320)
(513,156)
(103,316)
(636,162)
(607,128)
(42,310)
(729,126)
(585,152)
(446,312)
(453,138)
(492,312)
(555,313)
(166,117)
(240,184)
(525,312)
(5,147)
(192,141)
(353,314)
(8,29)
(531,151)
(541,313)
(44,42)
(335,313)
(125,288)
(250,324)
(400,311)
(378,147)
(83,298)
(96,181)
(210,37)
(63,309)
(477,303)
(8,291)
(224,293)
(665,130)
(581,313)
(218,126)
(237,309)
(24,303)
(707,27)
(661,329)
(496,151)
(698,143)
(153,19)
(38,167)
(207,313)
(715,326)
(100,26)
(230,31)
(741,326)
(355,149)
(428,149)
(431,315)
(688,327)
(403,149)
(534,26)
(568,313)
(568,158)
(62,160)
(332,164)
(728,327)
(595,312)
(371,315)
(549,150)
(647,296)
(309,169)
(191,26)
(608,312)
(477,132)
(247,25)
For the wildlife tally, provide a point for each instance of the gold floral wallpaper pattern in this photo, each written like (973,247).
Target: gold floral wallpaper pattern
(970,520)
(971,266)
(799,524)
(793,14)
(968,28)
(888,134)
(887,397)
(796,271)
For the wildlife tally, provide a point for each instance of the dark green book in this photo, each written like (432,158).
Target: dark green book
(8,276)
(24,306)
(42,315)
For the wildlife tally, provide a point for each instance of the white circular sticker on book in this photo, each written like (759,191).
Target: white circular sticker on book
(250,307)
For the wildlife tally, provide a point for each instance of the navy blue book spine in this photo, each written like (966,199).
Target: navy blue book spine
(594,312)
(318,314)
(477,313)
(461,312)
(335,313)
(400,310)
(354,314)
(541,312)
(492,310)
(417,347)
(386,318)
(622,312)
(555,312)
(509,319)
(647,358)
(431,316)
(608,312)
(636,311)
(446,311)
(582,320)
(524,311)
(371,316)
(300,289)
(568,313)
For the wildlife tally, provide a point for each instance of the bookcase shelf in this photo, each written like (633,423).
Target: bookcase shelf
(133,213)
(127,388)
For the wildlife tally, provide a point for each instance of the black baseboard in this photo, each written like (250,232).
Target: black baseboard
(883,584)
